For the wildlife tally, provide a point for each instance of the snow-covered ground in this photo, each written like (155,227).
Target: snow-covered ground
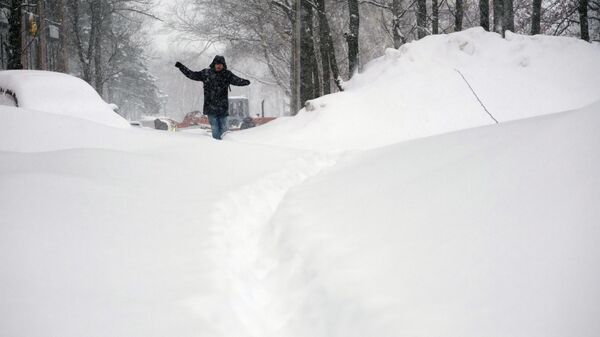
(492,231)
(288,230)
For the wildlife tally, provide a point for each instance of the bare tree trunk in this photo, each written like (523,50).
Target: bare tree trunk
(435,17)
(323,46)
(316,53)
(295,104)
(484,14)
(458,17)
(42,51)
(97,20)
(307,54)
(509,16)
(317,84)
(498,15)
(335,71)
(352,36)
(396,32)
(63,63)
(583,19)
(421,18)
(15,38)
(536,17)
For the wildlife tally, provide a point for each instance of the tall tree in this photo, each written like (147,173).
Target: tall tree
(63,58)
(484,14)
(15,38)
(328,60)
(324,35)
(421,18)
(307,51)
(509,16)
(498,15)
(98,18)
(352,36)
(583,19)
(536,17)
(396,31)
(79,29)
(295,104)
(42,62)
(435,17)
(458,16)
(90,23)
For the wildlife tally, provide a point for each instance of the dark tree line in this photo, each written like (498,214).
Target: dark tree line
(310,47)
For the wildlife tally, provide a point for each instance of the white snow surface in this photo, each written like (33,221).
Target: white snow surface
(60,94)
(490,231)
(486,232)
(417,91)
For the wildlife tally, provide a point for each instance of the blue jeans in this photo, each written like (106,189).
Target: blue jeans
(218,125)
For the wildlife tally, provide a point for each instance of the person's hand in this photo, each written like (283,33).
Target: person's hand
(178,64)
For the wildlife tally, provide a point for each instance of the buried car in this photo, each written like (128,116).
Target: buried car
(56,93)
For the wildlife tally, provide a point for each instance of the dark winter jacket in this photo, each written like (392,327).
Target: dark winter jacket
(216,84)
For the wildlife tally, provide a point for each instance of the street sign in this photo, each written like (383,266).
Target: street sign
(54,32)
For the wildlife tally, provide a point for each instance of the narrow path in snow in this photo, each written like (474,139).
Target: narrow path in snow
(260,276)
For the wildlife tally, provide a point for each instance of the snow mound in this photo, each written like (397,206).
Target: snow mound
(419,90)
(60,94)
(491,231)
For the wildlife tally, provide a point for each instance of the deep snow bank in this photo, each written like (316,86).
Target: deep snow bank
(107,231)
(416,91)
(60,94)
(486,232)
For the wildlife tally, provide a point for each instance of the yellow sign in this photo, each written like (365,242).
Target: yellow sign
(33,28)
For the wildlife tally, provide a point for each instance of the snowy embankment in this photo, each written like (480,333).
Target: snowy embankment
(109,232)
(418,90)
(490,231)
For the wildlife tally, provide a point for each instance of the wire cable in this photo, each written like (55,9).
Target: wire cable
(474,93)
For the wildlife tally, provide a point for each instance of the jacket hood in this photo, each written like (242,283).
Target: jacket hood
(218,59)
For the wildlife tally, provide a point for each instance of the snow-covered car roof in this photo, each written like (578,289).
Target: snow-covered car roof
(59,93)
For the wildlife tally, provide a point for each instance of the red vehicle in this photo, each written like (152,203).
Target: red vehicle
(239,117)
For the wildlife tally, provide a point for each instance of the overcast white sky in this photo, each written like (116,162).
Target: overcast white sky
(161,35)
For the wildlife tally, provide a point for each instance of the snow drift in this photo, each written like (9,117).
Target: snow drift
(485,232)
(417,91)
(107,231)
(489,231)
(59,94)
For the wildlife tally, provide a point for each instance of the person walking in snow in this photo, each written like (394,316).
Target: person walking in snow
(216,79)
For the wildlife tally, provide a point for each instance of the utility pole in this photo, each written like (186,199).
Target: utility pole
(42,55)
(15,36)
(63,63)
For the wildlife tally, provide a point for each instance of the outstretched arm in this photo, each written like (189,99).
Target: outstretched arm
(192,75)
(237,80)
